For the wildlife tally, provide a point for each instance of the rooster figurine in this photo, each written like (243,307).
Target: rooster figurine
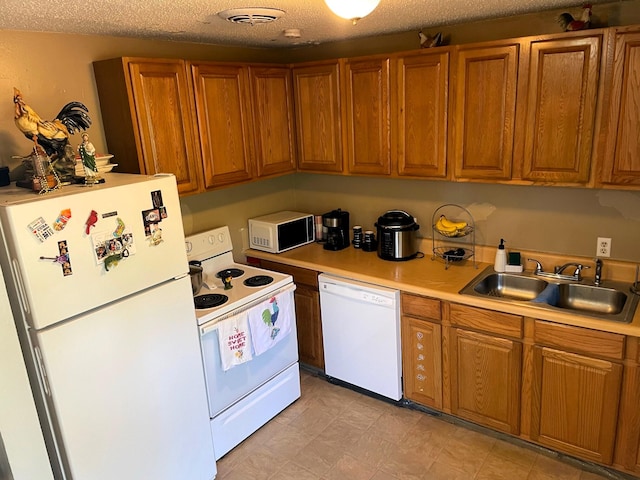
(570,24)
(52,135)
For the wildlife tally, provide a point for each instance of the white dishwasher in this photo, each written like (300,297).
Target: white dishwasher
(361,334)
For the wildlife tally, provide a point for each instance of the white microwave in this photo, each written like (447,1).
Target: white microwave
(281,231)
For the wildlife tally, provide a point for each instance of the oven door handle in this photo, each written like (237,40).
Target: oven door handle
(213,323)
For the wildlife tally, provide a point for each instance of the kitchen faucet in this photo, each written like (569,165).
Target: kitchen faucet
(576,273)
(597,278)
(558,272)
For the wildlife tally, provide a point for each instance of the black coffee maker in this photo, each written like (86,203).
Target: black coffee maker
(337,223)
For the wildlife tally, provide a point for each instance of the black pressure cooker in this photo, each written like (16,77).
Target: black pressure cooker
(397,236)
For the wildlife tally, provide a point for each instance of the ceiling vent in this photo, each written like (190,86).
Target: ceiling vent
(251,16)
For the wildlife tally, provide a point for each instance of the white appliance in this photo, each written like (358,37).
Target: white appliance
(361,333)
(23,454)
(248,395)
(98,282)
(281,231)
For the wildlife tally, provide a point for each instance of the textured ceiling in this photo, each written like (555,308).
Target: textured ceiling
(197,20)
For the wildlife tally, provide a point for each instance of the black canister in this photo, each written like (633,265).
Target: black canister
(4,176)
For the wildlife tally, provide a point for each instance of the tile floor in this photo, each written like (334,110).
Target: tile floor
(334,433)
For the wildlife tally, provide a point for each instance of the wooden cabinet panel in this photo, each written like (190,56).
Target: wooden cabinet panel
(309,325)
(504,324)
(575,403)
(224,122)
(486,379)
(148,119)
(368,110)
(272,100)
(580,340)
(561,97)
(421,307)
(621,157)
(422,114)
(422,361)
(318,117)
(308,320)
(483,124)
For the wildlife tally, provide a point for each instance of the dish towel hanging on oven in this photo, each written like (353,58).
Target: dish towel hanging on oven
(235,340)
(270,321)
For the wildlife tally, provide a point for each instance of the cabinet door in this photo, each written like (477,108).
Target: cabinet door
(272,98)
(160,100)
(621,161)
(422,361)
(310,346)
(484,111)
(560,109)
(576,405)
(224,122)
(318,117)
(422,112)
(483,123)
(368,109)
(486,379)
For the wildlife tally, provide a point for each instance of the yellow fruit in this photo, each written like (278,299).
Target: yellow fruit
(448,224)
(444,225)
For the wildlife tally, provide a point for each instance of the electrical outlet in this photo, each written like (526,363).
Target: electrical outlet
(604,247)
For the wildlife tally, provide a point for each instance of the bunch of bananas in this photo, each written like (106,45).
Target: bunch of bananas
(449,228)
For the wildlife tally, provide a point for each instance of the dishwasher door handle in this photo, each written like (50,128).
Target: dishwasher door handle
(366,296)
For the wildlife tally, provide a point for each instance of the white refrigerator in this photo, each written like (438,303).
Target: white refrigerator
(97,278)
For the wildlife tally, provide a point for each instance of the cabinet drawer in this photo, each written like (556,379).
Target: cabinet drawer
(300,275)
(581,340)
(421,307)
(486,320)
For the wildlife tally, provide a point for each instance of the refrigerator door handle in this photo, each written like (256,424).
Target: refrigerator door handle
(22,295)
(42,373)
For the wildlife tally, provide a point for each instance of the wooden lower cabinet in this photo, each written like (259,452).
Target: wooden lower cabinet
(422,350)
(576,403)
(573,380)
(485,379)
(308,321)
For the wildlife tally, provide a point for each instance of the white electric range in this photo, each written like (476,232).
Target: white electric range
(243,397)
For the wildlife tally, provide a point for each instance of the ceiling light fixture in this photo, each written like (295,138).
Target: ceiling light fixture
(352,10)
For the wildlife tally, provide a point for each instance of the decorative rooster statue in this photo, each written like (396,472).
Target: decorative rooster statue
(52,135)
(570,24)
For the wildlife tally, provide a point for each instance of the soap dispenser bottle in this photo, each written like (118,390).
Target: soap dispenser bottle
(501,258)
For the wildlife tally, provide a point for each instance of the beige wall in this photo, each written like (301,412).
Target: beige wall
(53,69)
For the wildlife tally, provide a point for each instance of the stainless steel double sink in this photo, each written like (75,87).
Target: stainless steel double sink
(609,301)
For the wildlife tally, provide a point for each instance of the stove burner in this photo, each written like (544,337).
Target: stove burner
(209,300)
(230,272)
(258,281)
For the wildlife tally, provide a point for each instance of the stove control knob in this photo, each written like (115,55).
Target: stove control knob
(212,239)
(189,246)
(221,237)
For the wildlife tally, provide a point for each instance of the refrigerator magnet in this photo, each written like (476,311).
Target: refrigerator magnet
(91,221)
(62,219)
(62,258)
(156,198)
(40,229)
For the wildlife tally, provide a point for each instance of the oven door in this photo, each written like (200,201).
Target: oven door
(224,388)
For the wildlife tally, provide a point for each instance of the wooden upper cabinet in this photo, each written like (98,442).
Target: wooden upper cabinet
(621,157)
(368,110)
(318,116)
(148,118)
(561,97)
(272,100)
(224,122)
(484,99)
(422,113)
